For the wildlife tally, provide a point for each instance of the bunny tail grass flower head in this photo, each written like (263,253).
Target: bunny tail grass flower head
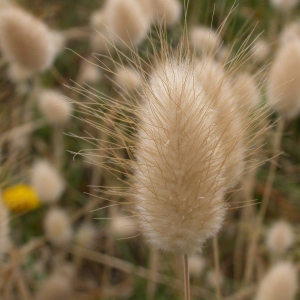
(283,88)
(25,40)
(280,283)
(47,182)
(126,22)
(179,182)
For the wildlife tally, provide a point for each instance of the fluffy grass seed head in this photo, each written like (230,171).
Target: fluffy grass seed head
(122,226)
(196,265)
(283,89)
(246,91)
(89,73)
(18,74)
(280,237)
(280,283)
(4,228)
(20,198)
(128,78)
(290,32)
(205,40)
(260,50)
(211,278)
(54,106)
(284,5)
(56,287)
(179,169)
(85,235)
(47,182)
(25,40)
(166,12)
(126,22)
(57,227)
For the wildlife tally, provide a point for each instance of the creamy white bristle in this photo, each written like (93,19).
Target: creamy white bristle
(205,39)
(54,106)
(47,182)
(280,283)
(283,88)
(57,227)
(280,237)
(25,40)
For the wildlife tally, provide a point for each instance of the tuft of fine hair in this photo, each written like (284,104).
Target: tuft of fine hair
(178,178)
(57,287)
(247,91)
(54,106)
(128,78)
(196,265)
(260,50)
(205,40)
(25,40)
(122,226)
(47,182)
(283,88)
(280,237)
(57,227)
(126,22)
(284,5)
(280,283)
(166,12)
(85,235)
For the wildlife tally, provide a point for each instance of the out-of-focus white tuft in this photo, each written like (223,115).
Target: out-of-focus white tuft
(196,265)
(284,5)
(126,22)
(123,226)
(283,89)
(25,40)
(280,237)
(246,91)
(205,40)
(166,12)
(290,32)
(4,229)
(128,79)
(47,182)
(53,105)
(260,50)
(18,74)
(85,235)
(57,287)
(58,227)
(89,73)
(58,40)
(211,278)
(280,283)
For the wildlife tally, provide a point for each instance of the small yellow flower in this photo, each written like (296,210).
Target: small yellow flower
(20,198)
